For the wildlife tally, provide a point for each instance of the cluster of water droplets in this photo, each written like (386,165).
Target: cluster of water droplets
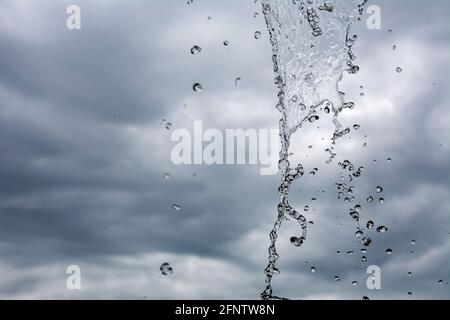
(311,45)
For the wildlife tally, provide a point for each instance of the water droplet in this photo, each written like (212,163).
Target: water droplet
(389,160)
(257,35)
(337,278)
(166,269)
(226,43)
(237,81)
(364,259)
(197,87)
(382,201)
(365,298)
(382,229)
(413,242)
(441,281)
(366,242)
(410,293)
(394,47)
(195,175)
(255,14)
(190,1)
(196,50)
(409,274)
(306,208)
(370,224)
(167,176)
(168,125)
(363,251)
(313,118)
(379,189)
(176,207)
(389,251)
(350,253)
(359,234)
(356,127)
(313,269)
(297,242)
(354,283)
(399,70)
(370,199)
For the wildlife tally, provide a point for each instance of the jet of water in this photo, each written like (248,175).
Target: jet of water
(312,48)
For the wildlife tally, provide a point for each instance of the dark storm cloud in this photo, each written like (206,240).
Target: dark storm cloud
(84,150)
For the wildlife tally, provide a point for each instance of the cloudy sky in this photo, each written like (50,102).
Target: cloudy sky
(84,149)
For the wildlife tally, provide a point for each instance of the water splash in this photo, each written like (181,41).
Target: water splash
(312,48)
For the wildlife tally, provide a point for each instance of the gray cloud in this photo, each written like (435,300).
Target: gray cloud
(84,151)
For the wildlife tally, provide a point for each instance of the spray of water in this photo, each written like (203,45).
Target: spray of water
(312,48)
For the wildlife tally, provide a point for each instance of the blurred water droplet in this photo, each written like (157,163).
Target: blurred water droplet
(313,269)
(166,269)
(388,251)
(413,242)
(389,160)
(379,189)
(196,50)
(168,125)
(195,175)
(382,201)
(370,199)
(441,281)
(382,229)
(176,207)
(410,293)
(356,127)
(365,298)
(197,87)
(313,118)
(366,242)
(337,278)
(226,43)
(297,242)
(237,81)
(370,224)
(257,35)
(409,274)
(394,47)
(399,70)
(167,176)
(354,283)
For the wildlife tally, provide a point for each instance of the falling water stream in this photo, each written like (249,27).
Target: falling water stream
(312,48)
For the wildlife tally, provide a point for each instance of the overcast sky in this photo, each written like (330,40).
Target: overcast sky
(84,149)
